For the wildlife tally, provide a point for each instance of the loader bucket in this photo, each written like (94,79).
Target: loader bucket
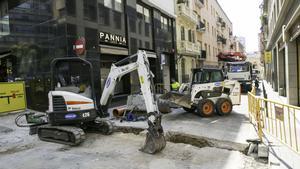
(180,99)
(155,139)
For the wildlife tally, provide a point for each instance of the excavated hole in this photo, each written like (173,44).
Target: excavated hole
(128,129)
(194,141)
(197,141)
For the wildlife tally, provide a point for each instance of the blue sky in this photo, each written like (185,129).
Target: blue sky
(244,15)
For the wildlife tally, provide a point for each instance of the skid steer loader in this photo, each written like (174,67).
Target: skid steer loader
(208,92)
(72,102)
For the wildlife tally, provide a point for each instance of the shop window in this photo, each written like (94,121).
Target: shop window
(104,18)
(140,44)
(71,7)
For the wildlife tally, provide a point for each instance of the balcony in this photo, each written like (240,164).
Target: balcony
(221,40)
(200,3)
(201,27)
(219,21)
(186,47)
(187,13)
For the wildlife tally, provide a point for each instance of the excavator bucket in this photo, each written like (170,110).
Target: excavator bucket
(180,99)
(155,139)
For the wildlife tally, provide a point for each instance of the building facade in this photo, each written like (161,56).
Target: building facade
(280,35)
(34,32)
(214,32)
(188,49)
(238,44)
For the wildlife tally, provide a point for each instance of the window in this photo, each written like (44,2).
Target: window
(164,23)
(91,38)
(118,6)
(140,27)
(197,77)
(189,35)
(90,11)
(132,25)
(182,32)
(147,45)
(118,20)
(147,29)
(133,44)
(216,76)
(193,36)
(108,4)
(103,15)
(207,27)
(205,77)
(71,7)
(143,13)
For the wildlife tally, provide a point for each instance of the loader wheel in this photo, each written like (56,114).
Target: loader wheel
(223,106)
(205,108)
(190,110)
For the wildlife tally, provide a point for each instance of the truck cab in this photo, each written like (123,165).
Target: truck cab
(242,72)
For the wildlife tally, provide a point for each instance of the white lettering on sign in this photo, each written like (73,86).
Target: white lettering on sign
(112,38)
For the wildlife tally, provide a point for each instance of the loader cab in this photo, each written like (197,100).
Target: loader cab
(202,76)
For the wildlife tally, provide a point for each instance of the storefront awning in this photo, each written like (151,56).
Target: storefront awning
(114,50)
(4,55)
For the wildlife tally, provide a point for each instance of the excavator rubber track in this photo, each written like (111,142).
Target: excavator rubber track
(68,135)
(102,126)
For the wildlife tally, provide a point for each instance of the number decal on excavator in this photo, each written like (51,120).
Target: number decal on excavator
(141,79)
(87,114)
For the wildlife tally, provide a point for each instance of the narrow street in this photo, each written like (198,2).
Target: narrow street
(222,145)
(149,84)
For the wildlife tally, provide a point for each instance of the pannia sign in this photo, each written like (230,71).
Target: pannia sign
(112,38)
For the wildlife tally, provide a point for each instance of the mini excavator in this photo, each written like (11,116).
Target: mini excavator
(72,102)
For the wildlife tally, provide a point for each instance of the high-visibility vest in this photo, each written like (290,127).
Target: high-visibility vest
(175,86)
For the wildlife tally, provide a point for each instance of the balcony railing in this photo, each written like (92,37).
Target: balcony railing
(200,3)
(221,39)
(185,11)
(186,47)
(201,27)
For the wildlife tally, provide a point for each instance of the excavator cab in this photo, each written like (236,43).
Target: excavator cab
(72,95)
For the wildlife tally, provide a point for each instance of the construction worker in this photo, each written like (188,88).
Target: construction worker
(174,85)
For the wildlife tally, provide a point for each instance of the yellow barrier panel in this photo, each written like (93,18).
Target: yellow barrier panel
(282,121)
(12,96)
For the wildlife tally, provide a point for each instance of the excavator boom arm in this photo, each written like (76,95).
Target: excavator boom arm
(155,140)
